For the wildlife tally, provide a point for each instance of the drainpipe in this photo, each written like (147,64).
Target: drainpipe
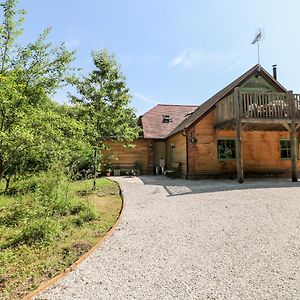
(184,133)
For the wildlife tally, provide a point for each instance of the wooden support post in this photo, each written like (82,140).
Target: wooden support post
(293,138)
(239,154)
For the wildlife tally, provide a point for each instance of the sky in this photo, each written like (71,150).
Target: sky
(173,51)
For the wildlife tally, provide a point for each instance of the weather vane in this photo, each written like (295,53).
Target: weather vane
(259,36)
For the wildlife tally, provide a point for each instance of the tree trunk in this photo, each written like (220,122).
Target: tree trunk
(1,170)
(6,191)
(95,167)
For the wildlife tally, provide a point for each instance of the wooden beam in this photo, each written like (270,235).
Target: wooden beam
(239,154)
(266,121)
(293,139)
(287,127)
(225,125)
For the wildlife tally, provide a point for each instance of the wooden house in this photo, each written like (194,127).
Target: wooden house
(249,128)
(154,145)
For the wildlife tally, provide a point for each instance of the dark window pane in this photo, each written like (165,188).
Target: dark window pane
(233,153)
(221,143)
(285,149)
(226,149)
(230,144)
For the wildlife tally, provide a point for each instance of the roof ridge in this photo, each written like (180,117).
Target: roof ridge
(158,104)
(210,102)
(164,104)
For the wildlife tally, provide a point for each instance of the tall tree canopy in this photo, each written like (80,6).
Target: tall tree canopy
(29,75)
(104,100)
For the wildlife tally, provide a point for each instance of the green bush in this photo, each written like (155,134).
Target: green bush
(65,206)
(59,207)
(37,217)
(24,186)
(38,232)
(86,215)
(77,207)
(14,215)
(45,184)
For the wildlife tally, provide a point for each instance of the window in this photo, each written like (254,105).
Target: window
(166,119)
(226,149)
(285,149)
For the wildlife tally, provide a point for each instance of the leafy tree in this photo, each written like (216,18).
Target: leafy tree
(104,101)
(29,75)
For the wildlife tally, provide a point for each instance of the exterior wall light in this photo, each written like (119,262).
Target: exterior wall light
(194,140)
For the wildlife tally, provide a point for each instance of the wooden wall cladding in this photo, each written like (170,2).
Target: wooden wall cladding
(179,152)
(130,155)
(261,151)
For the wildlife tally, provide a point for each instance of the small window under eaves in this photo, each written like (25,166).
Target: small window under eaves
(166,119)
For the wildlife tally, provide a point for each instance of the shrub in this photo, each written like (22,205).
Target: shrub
(49,184)
(45,184)
(15,215)
(24,185)
(77,207)
(38,232)
(59,207)
(86,215)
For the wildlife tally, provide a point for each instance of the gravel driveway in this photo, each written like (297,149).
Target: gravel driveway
(183,239)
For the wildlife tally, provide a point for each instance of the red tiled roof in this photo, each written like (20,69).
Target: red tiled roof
(152,120)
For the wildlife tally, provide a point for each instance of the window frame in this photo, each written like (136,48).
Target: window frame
(288,158)
(217,148)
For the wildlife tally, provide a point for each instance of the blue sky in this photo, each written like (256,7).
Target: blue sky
(174,51)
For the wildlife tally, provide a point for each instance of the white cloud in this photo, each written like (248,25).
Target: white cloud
(189,58)
(186,58)
(148,99)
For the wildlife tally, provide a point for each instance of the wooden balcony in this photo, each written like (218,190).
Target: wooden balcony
(260,111)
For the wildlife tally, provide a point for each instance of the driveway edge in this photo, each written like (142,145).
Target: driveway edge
(99,243)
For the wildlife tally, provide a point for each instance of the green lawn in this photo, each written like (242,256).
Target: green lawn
(39,240)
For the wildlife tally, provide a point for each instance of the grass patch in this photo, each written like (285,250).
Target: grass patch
(40,238)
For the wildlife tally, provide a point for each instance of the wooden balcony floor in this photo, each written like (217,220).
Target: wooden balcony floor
(253,124)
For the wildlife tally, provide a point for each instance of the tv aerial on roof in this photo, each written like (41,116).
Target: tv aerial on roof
(259,36)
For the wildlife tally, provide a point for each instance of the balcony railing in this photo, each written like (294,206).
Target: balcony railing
(258,106)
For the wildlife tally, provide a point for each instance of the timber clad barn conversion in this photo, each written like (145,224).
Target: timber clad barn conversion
(250,127)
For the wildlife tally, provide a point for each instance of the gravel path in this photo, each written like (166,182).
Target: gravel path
(183,239)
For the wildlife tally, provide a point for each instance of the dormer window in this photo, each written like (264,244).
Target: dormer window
(166,119)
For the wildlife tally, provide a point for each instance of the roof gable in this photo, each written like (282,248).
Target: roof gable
(257,70)
(257,84)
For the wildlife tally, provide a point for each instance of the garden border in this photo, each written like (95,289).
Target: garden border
(101,240)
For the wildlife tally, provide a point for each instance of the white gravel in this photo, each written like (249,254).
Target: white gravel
(183,239)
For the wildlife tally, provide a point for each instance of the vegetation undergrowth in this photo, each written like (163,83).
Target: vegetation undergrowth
(47,226)
(47,220)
